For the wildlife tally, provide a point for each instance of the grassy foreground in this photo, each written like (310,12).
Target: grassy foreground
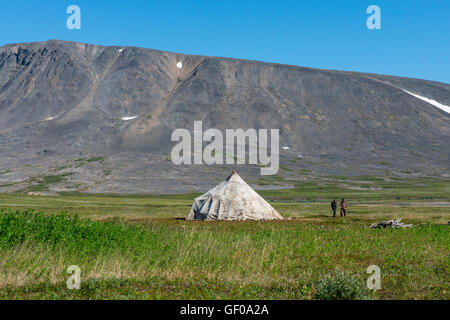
(133,247)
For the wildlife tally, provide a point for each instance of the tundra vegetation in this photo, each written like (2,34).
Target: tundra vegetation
(134,247)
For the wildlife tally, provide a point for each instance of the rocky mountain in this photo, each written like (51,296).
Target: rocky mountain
(90,118)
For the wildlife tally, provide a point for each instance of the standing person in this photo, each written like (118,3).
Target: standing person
(344,207)
(334,207)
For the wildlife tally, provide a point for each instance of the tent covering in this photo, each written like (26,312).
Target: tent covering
(234,200)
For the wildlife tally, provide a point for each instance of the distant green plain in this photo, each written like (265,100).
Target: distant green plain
(139,246)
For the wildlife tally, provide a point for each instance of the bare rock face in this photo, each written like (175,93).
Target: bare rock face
(102,117)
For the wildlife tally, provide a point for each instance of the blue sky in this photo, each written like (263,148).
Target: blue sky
(414,40)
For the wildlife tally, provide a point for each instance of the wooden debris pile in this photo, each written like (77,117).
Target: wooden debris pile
(391,223)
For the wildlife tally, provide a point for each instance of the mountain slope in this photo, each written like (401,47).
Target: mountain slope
(63,103)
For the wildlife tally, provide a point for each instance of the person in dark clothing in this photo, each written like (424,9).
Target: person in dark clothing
(334,207)
(344,207)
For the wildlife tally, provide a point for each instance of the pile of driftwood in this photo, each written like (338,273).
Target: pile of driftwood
(391,223)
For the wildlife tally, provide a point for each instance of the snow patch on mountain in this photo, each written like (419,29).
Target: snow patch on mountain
(431,101)
(129,118)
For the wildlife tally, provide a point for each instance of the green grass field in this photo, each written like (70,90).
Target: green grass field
(137,247)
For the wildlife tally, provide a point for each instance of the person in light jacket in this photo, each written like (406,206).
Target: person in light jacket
(344,207)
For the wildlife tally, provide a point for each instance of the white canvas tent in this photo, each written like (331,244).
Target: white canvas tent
(232,199)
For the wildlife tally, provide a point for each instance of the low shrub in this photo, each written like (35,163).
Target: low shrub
(340,286)
(69,231)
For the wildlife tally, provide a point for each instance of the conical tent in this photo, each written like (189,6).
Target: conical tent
(232,199)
